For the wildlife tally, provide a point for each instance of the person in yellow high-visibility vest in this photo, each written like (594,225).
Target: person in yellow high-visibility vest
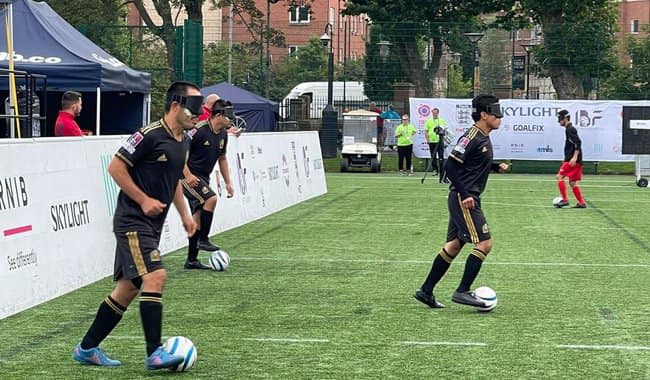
(434,133)
(404,134)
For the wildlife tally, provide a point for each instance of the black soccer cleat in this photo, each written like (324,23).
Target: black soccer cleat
(467,298)
(562,203)
(578,205)
(206,245)
(195,265)
(427,299)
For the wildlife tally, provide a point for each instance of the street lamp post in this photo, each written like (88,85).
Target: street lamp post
(326,39)
(528,48)
(475,37)
(329,128)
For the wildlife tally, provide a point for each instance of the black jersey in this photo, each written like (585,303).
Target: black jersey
(473,157)
(572,143)
(205,149)
(155,160)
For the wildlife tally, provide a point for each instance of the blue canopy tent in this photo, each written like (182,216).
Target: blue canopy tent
(261,114)
(44,43)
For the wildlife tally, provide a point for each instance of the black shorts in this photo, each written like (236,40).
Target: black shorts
(199,194)
(136,254)
(464,224)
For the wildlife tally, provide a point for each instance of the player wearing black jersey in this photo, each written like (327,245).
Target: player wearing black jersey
(209,141)
(467,168)
(148,168)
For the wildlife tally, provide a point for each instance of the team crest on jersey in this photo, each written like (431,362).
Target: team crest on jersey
(132,142)
(485,229)
(485,149)
(155,255)
(206,143)
(192,132)
(221,144)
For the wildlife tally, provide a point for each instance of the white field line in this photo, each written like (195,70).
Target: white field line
(288,340)
(381,261)
(414,343)
(602,347)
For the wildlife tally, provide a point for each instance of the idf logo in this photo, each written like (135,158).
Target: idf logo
(586,120)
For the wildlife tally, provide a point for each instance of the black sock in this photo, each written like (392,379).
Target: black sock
(472,267)
(108,316)
(192,247)
(440,265)
(206,223)
(151,314)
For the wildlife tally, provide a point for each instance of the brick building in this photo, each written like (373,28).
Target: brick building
(301,23)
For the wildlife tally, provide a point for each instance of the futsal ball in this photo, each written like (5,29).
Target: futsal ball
(219,260)
(181,346)
(489,296)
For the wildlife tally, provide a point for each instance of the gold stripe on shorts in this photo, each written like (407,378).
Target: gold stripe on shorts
(136,254)
(469,222)
(194,193)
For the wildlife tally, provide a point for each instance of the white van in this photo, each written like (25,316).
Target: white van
(317,94)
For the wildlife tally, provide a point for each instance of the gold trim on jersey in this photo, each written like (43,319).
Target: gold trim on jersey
(194,193)
(123,158)
(136,254)
(468,221)
(457,159)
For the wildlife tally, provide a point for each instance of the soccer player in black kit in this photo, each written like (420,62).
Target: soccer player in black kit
(209,141)
(467,168)
(147,168)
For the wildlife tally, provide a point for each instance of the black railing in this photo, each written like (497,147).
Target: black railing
(30,113)
(305,108)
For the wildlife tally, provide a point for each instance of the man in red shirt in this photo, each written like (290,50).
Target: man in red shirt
(70,108)
(207,106)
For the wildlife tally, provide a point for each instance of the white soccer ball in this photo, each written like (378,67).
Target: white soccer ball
(219,260)
(489,296)
(181,346)
(556,201)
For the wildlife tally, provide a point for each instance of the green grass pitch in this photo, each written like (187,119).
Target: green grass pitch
(323,290)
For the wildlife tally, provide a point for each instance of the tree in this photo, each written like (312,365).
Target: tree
(308,64)
(92,17)
(578,41)
(408,24)
(632,82)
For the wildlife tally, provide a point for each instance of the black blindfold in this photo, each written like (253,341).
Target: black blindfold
(191,103)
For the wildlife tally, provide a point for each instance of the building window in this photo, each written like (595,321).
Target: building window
(293,51)
(634,26)
(299,15)
(332,14)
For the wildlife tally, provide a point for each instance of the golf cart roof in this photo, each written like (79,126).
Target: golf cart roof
(361,113)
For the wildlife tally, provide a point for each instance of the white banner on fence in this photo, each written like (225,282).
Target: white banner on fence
(57,202)
(529,129)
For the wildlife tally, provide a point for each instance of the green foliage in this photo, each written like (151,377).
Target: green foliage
(309,63)
(456,86)
(632,82)
(579,37)
(494,61)
(354,70)
(91,18)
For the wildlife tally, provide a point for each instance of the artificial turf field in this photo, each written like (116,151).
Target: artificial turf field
(323,290)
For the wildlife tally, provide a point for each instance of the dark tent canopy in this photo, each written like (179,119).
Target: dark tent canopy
(261,114)
(44,43)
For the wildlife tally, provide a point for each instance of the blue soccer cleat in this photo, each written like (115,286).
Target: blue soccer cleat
(163,359)
(93,356)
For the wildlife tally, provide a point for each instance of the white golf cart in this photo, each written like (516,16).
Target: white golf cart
(360,141)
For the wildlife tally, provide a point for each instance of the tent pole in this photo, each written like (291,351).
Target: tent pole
(148,110)
(13,98)
(99,109)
